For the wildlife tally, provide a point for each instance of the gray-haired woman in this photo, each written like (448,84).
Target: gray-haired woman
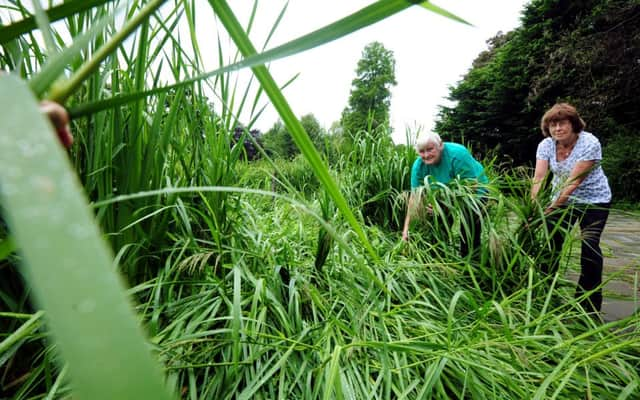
(442,162)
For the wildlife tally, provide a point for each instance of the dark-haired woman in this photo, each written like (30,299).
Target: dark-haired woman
(581,194)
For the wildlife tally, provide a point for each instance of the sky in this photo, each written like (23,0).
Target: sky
(432,53)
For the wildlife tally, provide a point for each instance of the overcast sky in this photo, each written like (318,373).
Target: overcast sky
(432,53)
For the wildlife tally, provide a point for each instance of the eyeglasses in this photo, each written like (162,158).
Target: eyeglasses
(560,122)
(428,149)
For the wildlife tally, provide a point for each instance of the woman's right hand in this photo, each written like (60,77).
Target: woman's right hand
(405,235)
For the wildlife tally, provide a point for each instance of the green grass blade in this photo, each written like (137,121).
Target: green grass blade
(45,28)
(433,8)
(67,263)
(64,10)
(23,331)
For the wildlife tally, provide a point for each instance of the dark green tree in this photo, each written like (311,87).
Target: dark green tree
(370,97)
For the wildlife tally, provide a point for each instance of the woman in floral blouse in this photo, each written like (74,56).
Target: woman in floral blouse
(581,194)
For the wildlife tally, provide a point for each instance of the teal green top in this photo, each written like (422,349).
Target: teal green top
(456,162)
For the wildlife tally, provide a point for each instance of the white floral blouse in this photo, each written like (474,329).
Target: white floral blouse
(594,188)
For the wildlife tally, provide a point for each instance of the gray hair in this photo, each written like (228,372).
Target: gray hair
(425,138)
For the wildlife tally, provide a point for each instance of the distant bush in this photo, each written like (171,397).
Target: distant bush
(250,151)
(622,166)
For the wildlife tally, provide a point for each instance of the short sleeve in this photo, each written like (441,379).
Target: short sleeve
(592,151)
(415,179)
(545,150)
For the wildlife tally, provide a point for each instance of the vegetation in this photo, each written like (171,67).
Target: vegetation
(268,278)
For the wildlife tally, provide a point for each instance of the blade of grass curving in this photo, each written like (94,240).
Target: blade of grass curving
(541,393)
(434,8)
(268,371)
(56,385)
(64,10)
(300,137)
(62,90)
(369,15)
(67,263)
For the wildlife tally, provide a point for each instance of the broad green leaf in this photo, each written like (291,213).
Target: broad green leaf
(67,263)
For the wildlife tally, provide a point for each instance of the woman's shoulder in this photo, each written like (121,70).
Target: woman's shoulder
(588,140)
(416,163)
(589,137)
(456,149)
(546,143)
(454,146)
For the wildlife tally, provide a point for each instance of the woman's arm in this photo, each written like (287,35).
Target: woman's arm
(542,167)
(577,176)
(407,219)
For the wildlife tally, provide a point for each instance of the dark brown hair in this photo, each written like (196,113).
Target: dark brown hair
(559,112)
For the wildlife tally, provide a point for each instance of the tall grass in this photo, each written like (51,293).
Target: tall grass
(250,293)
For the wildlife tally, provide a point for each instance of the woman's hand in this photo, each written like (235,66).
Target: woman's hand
(60,119)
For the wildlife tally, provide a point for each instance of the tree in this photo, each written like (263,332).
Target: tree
(278,141)
(370,97)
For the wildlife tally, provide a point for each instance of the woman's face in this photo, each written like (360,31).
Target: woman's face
(561,130)
(431,153)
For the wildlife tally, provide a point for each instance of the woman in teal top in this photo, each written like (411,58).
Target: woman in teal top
(441,162)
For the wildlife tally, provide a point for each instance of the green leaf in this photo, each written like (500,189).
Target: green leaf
(64,10)
(67,263)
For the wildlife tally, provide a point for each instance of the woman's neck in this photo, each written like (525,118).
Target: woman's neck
(568,142)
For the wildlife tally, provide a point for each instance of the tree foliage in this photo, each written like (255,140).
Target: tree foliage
(279,143)
(370,97)
(584,52)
